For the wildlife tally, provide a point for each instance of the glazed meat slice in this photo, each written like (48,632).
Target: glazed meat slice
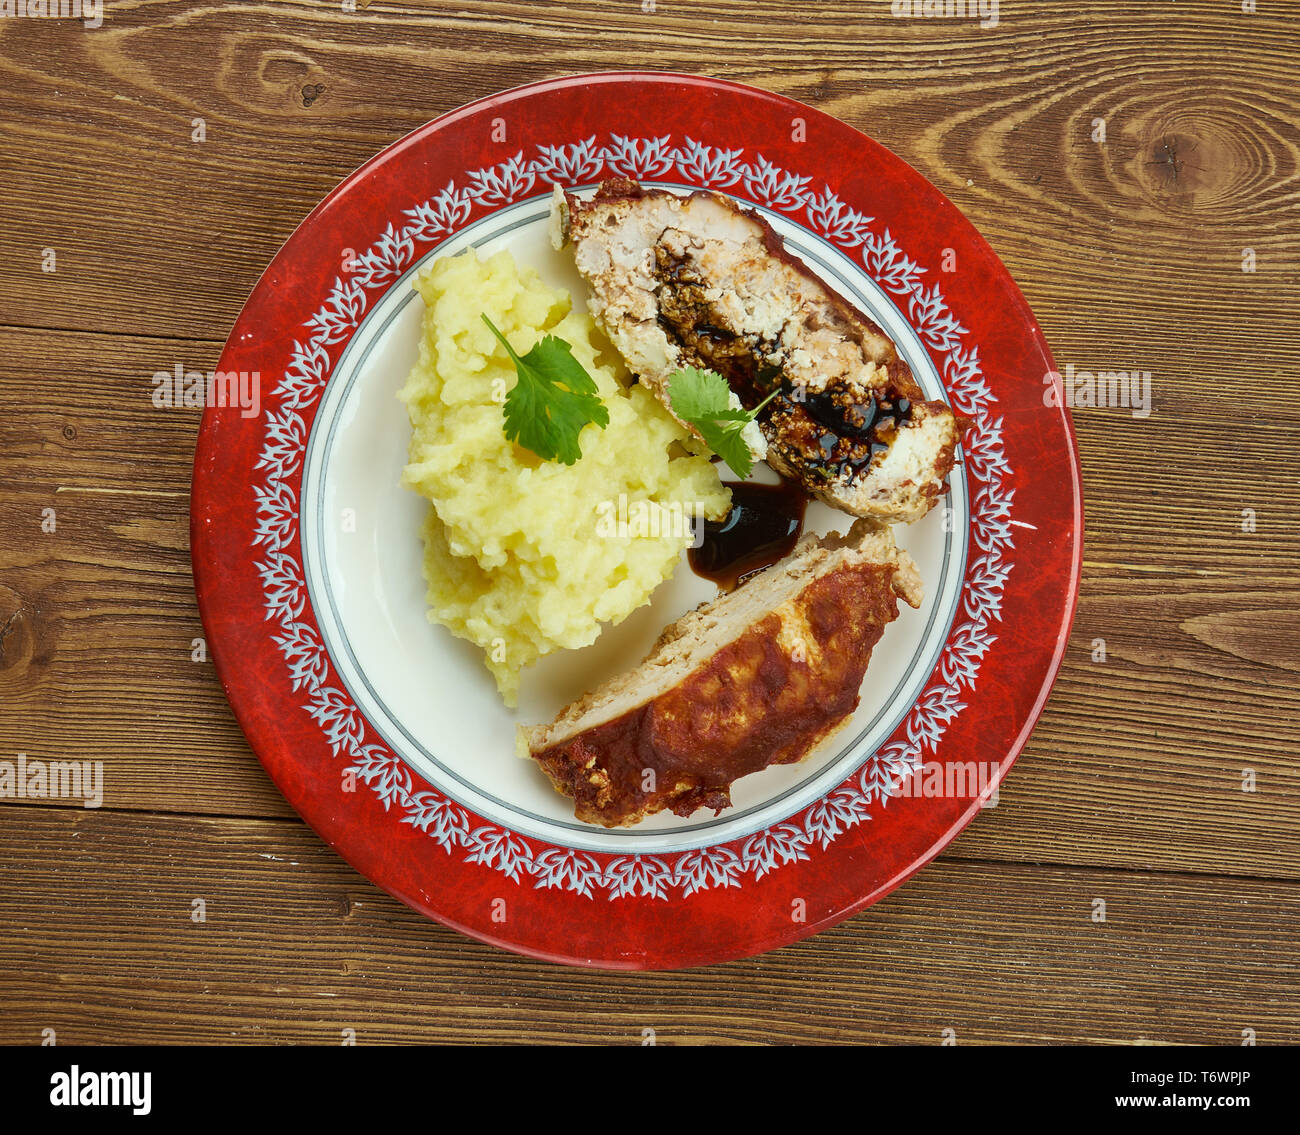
(759,676)
(698,280)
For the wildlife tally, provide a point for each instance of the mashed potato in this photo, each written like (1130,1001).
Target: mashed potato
(523,556)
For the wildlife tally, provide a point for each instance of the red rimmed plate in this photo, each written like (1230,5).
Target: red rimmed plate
(387,735)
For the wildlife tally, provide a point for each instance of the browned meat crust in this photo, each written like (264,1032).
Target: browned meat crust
(765,695)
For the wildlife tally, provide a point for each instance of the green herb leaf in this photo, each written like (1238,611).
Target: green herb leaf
(703,398)
(553,400)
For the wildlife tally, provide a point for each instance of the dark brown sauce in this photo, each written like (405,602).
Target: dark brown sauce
(850,434)
(763,525)
(858,417)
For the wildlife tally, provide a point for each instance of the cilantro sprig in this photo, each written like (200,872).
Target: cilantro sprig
(703,398)
(553,400)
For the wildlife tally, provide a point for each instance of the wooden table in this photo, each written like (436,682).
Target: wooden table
(1131,252)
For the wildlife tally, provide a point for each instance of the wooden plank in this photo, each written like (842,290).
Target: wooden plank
(1130,251)
(1139,759)
(101,645)
(297,948)
(1142,235)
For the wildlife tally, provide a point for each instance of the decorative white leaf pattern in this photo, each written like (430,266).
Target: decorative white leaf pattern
(386,260)
(307,662)
(836,221)
(887,265)
(283,589)
(642,159)
(496,847)
(781,843)
(569,165)
(645,875)
(277,515)
(286,442)
(504,183)
(341,312)
(443,819)
(834,813)
(305,654)
(384,772)
(708,867)
(774,187)
(568,869)
(441,215)
(710,167)
(339,719)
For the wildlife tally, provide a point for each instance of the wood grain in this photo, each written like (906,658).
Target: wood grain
(104,605)
(295,948)
(941,94)
(1130,251)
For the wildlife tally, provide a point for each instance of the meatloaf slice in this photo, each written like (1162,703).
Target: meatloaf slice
(758,676)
